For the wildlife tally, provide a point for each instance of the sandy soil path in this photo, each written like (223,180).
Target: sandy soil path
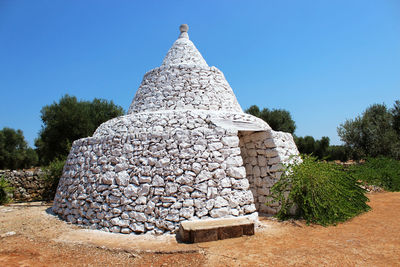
(31,236)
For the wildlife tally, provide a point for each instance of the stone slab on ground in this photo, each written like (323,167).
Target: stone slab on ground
(215,229)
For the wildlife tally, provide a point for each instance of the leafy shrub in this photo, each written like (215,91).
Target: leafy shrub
(5,188)
(52,175)
(322,192)
(381,171)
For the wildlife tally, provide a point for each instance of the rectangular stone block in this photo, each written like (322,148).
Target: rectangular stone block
(248,229)
(215,229)
(204,235)
(230,232)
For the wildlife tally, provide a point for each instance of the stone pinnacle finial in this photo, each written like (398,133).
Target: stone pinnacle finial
(184,29)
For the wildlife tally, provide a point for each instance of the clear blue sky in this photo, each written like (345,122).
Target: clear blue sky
(324,61)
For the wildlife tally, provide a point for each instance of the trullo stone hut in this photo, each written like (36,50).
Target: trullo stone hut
(185,151)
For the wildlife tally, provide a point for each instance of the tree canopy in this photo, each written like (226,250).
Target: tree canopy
(308,145)
(69,120)
(374,133)
(278,119)
(14,150)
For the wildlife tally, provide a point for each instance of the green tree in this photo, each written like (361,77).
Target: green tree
(396,116)
(278,119)
(341,153)
(14,150)
(308,145)
(371,134)
(69,120)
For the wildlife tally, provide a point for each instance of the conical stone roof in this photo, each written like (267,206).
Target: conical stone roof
(184,81)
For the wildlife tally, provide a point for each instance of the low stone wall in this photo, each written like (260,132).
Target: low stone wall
(28,184)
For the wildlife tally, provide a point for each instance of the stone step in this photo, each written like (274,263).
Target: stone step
(215,229)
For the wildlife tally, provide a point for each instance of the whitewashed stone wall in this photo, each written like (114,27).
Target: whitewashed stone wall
(178,166)
(264,155)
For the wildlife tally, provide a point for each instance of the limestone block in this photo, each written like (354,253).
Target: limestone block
(230,141)
(196,167)
(269,143)
(122,178)
(203,176)
(201,212)
(131,191)
(215,146)
(256,171)
(163,162)
(158,191)
(187,212)
(212,166)
(212,192)
(121,167)
(275,168)
(210,204)
(220,202)
(144,190)
(108,178)
(252,152)
(249,143)
(158,181)
(144,179)
(137,227)
(262,161)
(225,182)
(113,199)
(242,184)
(258,181)
(249,169)
(236,172)
(188,202)
(234,161)
(186,189)
(274,160)
(199,147)
(234,212)
(263,191)
(115,229)
(220,213)
(249,208)
(134,180)
(185,179)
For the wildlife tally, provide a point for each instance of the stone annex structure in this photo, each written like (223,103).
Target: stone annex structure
(185,151)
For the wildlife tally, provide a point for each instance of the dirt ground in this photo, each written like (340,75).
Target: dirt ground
(31,236)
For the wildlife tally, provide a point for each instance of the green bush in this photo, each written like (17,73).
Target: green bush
(52,175)
(322,192)
(381,171)
(5,189)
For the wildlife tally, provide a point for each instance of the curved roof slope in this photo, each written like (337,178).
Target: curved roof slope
(184,81)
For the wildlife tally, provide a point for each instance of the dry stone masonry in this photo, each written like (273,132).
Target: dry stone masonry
(184,151)
(27,184)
